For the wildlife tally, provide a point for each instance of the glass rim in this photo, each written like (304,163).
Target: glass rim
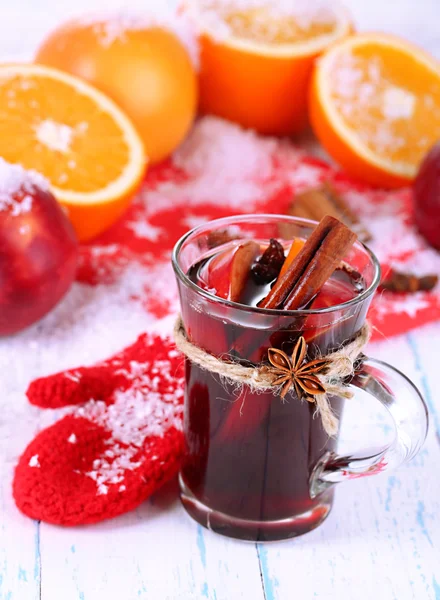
(270,311)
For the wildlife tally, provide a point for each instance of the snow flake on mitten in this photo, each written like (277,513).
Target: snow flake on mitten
(118,444)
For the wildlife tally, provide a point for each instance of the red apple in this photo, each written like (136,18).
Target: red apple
(38,249)
(427,197)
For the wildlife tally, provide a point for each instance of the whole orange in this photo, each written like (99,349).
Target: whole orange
(144,67)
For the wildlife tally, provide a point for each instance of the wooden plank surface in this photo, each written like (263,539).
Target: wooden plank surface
(154,552)
(380,542)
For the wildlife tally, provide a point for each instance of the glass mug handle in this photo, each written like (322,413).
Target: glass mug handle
(406,406)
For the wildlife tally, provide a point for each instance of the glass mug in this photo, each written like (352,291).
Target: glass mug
(258,468)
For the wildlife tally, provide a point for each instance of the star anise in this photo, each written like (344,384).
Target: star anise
(291,371)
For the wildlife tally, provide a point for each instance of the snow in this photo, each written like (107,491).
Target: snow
(137,413)
(17,186)
(398,103)
(222,17)
(53,135)
(34,461)
(111,26)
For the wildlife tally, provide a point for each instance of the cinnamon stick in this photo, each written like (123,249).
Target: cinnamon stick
(320,256)
(324,200)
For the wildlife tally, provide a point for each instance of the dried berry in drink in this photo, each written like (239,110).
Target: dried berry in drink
(268,266)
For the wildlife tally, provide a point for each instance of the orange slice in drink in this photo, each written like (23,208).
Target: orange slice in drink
(76,137)
(295,248)
(375,107)
(257,57)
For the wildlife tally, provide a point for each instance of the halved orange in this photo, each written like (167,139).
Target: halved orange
(76,137)
(295,248)
(375,107)
(256,62)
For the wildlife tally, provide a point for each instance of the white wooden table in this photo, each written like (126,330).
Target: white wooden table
(382,540)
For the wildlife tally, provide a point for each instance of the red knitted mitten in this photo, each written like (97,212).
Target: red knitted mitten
(119,443)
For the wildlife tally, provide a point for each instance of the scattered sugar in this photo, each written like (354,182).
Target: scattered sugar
(108,250)
(225,164)
(80,325)
(304,176)
(214,146)
(409,305)
(13,180)
(217,16)
(53,135)
(25,205)
(348,75)
(34,462)
(398,103)
(139,412)
(112,26)
(193,221)
(363,89)
(72,439)
(73,376)
(393,237)
(143,229)
(398,245)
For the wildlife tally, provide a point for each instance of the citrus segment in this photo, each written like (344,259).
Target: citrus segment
(76,137)
(295,249)
(375,106)
(257,59)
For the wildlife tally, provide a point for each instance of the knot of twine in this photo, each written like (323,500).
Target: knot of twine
(341,364)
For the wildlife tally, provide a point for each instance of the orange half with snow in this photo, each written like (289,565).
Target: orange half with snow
(375,107)
(257,58)
(76,137)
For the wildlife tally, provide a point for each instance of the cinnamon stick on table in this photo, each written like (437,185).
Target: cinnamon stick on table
(320,256)
(317,202)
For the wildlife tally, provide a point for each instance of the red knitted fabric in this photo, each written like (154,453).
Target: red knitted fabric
(119,443)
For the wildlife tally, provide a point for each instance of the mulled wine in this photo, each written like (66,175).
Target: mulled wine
(250,454)
(261,292)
